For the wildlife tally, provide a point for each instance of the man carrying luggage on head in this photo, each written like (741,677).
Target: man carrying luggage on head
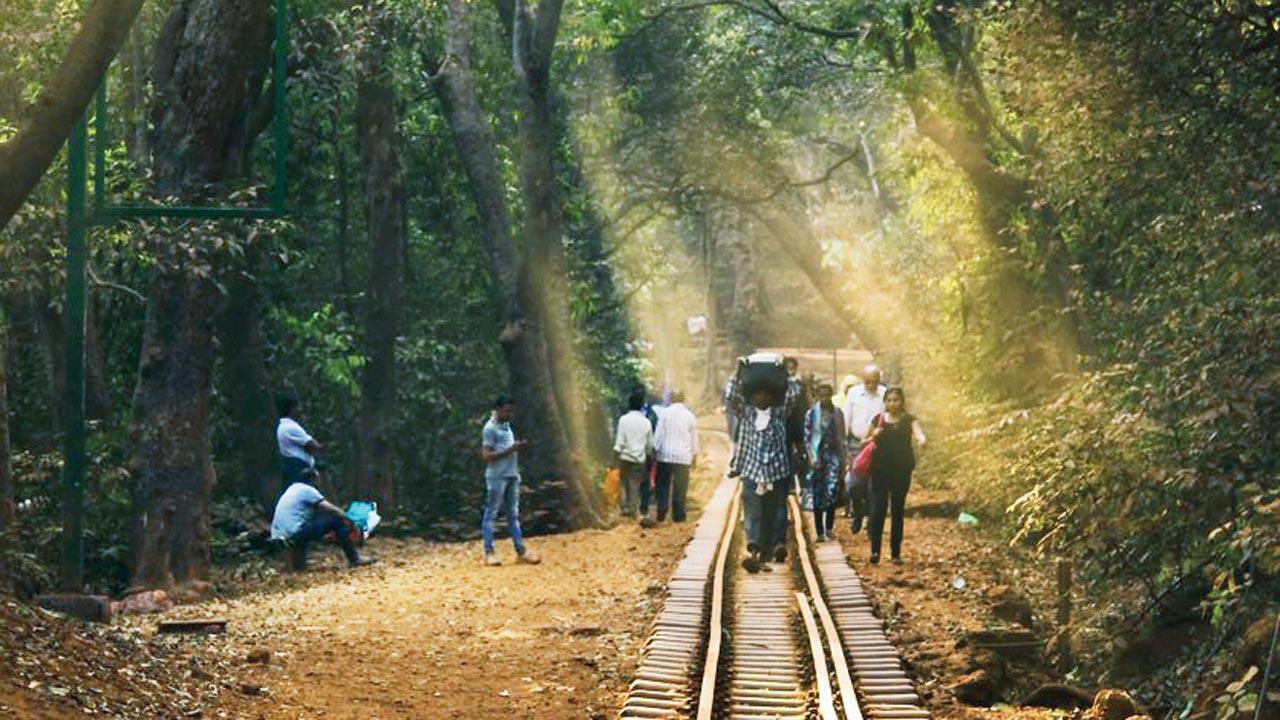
(760,456)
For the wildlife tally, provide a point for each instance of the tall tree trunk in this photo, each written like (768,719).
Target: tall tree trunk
(746,306)
(533,38)
(206,60)
(343,238)
(97,398)
(7,515)
(48,327)
(710,268)
(246,385)
(523,342)
(25,157)
(136,141)
(377,120)
(172,453)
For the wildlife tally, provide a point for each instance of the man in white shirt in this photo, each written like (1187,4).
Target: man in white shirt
(297,448)
(303,516)
(864,403)
(675,442)
(632,445)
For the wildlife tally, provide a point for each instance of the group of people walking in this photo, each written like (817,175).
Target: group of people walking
(656,446)
(861,452)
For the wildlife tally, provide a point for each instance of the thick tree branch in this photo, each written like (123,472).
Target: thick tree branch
(968,154)
(26,156)
(767,9)
(546,25)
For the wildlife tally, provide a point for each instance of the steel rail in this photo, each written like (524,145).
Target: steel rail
(844,680)
(764,672)
(826,703)
(715,632)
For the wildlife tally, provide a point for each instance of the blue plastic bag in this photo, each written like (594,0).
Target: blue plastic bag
(364,515)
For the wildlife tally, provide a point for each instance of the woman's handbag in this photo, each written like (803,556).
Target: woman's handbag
(863,463)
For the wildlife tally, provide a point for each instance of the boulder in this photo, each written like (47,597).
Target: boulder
(976,688)
(993,663)
(192,591)
(1256,642)
(1112,704)
(1008,642)
(1056,696)
(141,602)
(96,608)
(1009,605)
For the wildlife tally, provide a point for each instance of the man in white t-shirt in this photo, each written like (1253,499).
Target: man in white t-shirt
(297,448)
(865,402)
(675,443)
(633,443)
(303,516)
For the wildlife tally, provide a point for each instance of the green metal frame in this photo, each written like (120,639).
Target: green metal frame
(79,218)
(105,213)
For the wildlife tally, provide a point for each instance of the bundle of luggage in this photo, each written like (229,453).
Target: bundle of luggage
(765,372)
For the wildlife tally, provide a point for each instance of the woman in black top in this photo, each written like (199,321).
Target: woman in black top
(897,435)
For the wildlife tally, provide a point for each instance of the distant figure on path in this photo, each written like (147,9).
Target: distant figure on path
(632,445)
(297,448)
(500,451)
(760,459)
(824,439)
(303,516)
(898,435)
(652,410)
(675,445)
(864,404)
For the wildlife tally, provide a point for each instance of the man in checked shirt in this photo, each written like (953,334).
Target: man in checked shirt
(760,459)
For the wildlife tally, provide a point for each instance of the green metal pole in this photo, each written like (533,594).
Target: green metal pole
(279,86)
(73,443)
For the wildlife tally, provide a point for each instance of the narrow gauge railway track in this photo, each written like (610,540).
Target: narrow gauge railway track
(798,643)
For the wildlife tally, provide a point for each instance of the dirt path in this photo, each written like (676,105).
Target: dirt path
(956,581)
(429,633)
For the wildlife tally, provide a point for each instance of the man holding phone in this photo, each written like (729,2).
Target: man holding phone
(500,451)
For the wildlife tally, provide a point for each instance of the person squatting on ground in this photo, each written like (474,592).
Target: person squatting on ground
(303,516)
(500,451)
(760,459)
(297,448)
(863,404)
(632,445)
(897,435)
(824,440)
(675,445)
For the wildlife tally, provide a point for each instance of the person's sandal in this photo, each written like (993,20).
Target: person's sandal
(527,558)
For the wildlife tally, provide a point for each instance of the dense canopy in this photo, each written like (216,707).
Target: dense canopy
(1056,223)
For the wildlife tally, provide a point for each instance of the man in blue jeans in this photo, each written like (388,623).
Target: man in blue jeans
(501,450)
(760,459)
